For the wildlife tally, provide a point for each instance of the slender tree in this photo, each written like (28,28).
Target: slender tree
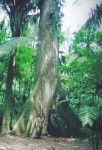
(18,14)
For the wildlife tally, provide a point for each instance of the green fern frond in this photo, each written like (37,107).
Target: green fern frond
(88,115)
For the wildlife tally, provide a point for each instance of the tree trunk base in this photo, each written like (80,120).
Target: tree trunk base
(37,127)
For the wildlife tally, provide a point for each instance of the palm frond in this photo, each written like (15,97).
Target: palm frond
(95,17)
(10,45)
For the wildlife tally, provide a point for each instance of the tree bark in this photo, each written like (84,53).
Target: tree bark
(8,97)
(46,78)
(8,107)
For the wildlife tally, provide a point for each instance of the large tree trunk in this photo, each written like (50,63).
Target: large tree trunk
(47,76)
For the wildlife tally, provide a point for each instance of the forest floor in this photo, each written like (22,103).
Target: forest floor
(10,142)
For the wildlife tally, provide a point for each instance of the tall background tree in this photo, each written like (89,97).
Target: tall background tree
(18,14)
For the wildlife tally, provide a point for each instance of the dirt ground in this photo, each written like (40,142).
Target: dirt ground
(10,142)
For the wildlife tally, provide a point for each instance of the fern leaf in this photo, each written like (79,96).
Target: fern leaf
(88,115)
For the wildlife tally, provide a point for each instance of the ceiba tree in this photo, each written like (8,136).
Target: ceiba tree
(34,118)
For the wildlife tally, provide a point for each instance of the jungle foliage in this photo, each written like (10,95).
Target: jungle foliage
(81,76)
